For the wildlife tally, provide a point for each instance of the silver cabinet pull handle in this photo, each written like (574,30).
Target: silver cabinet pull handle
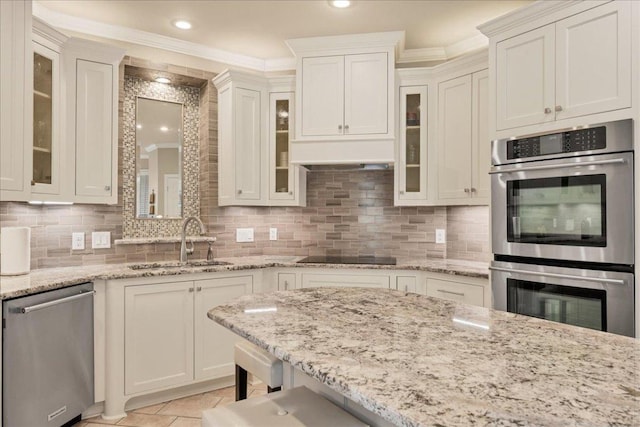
(558,108)
(286,285)
(559,166)
(558,276)
(55,302)
(460,294)
(547,110)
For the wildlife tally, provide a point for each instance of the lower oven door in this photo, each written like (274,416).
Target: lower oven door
(601,300)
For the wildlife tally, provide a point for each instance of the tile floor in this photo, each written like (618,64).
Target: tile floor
(185,412)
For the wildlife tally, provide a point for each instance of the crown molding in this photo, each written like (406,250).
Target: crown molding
(390,38)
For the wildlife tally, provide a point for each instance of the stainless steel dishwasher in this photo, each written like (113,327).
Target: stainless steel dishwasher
(47,360)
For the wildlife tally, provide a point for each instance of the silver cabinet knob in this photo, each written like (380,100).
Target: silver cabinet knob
(466,190)
(291,193)
(190,289)
(239,191)
(107,188)
(401,192)
(340,128)
(473,190)
(346,128)
(547,110)
(558,108)
(199,289)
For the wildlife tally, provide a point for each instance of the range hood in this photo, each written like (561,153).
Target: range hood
(349,167)
(342,152)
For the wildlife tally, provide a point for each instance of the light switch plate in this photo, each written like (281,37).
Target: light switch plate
(273,233)
(441,235)
(244,235)
(101,240)
(77,241)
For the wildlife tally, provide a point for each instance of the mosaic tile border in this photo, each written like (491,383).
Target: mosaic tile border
(190,98)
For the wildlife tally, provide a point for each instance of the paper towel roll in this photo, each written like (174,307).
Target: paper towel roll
(15,250)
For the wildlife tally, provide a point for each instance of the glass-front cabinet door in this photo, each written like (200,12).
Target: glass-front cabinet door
(46,152)
(413,143)
(281,174)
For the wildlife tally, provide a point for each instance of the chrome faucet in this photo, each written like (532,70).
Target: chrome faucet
(183,246)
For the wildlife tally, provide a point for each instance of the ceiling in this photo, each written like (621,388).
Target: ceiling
(434,30)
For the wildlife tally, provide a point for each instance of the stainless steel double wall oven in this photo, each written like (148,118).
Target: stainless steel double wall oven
(563,226)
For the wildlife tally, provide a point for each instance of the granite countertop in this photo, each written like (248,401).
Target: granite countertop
(419,361)
(54,278)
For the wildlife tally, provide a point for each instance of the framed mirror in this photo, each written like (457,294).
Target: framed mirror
(158,158)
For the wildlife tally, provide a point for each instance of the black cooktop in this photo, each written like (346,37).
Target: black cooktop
(372,260)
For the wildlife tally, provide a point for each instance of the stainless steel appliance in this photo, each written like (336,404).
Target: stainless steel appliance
(563,209)
(601,300)
(566,195)
(47,360)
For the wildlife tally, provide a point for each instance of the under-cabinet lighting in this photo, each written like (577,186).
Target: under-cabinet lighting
(182,24)
(261,310)
(163,80)
(340,4)
(40,202)
(472,324)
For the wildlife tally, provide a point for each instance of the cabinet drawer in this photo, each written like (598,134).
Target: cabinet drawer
(286,281)
(456,291)
(344,280)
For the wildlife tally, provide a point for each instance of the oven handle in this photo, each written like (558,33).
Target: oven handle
(559,165)
(559,276)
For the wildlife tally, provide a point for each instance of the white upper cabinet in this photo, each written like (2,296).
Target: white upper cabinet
(365,94)
(322,112)
(574,67)
(92,71)
(254,167)
(464,148)
(16,100)
(345,99)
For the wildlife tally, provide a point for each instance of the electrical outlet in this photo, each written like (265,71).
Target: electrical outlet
(273,233)
(244,235)
(100,240)
(441,235)
(77,241)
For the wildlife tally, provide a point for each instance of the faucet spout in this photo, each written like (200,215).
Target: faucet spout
(183,240)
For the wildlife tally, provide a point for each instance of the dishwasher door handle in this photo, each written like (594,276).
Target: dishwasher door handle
(54,302)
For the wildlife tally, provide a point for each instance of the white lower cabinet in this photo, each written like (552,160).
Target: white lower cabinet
(286,281)
(158,336)
(406,283)
(317,280)
(467,293)
(214,343)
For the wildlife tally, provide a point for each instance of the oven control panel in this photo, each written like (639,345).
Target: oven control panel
(565,142)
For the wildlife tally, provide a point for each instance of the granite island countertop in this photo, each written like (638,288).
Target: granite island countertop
(46,279)
(419,361)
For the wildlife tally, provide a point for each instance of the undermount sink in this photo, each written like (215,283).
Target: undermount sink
(176,264)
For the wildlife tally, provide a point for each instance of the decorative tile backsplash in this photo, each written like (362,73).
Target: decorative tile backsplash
(347,213)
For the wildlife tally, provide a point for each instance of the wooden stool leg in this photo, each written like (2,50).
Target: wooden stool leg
(241,383)
(271,390)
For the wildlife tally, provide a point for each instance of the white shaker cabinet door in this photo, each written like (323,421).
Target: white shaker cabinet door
(480,143)
(322,96)
(526,79)
(365,98)
(456,291)
(248,145)
(214,343)
(158,336)
(94,129)
(593,61)
(454,124)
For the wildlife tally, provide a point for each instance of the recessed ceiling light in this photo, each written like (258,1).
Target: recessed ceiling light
(138,126)
(163,80)
(164,129)
(182,24)
(340,4)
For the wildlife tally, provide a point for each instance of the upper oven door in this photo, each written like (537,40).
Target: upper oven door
(569,209)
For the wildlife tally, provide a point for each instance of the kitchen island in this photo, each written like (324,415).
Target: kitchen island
(417,361)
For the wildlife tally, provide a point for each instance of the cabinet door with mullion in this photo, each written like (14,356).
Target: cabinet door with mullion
(281,172)
(412,155)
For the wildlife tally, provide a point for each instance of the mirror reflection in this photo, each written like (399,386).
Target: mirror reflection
(158,159)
